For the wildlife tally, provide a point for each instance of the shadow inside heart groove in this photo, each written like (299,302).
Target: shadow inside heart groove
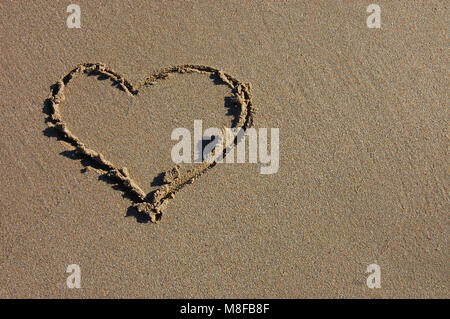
(146,207)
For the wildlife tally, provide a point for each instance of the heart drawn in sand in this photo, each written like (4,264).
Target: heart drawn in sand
(175,178)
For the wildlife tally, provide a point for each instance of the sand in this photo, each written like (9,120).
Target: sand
(363,178)
(175,179)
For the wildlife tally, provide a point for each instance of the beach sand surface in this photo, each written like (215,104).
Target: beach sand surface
(364,170)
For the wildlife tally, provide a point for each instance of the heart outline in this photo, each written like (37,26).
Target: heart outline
(174,178)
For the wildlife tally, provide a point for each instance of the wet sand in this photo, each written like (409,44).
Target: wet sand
(363,177)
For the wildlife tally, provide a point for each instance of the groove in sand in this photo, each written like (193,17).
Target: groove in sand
(174,179)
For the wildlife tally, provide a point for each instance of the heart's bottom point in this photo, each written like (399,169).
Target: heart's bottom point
(149,209)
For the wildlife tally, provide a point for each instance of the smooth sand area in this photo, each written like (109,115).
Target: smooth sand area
(364,168)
